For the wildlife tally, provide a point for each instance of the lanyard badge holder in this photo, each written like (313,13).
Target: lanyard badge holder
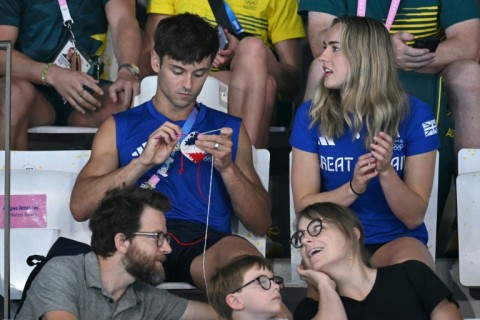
(71,56)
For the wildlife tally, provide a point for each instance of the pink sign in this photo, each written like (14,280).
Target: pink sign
(26,211)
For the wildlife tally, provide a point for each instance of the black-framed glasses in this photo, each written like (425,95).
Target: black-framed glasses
(314,228)
(161,236)
(264,281)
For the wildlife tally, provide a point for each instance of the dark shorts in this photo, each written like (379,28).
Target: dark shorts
(188,242)
(372,248)
(62,108)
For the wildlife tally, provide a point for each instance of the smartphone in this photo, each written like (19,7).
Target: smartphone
(431,43)
(222,37)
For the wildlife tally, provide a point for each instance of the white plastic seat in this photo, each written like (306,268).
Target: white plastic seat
(468,216)
(46,193)
(430,223)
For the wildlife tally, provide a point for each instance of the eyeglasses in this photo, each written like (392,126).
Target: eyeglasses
(264,281)
(314,228)
(161,237)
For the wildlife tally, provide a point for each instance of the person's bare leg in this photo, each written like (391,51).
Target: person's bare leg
(217,256)
(315,74)
(29,109)
(462,81)
(248,89)
(400,250)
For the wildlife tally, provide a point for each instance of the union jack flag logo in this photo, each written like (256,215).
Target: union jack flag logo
(430,128)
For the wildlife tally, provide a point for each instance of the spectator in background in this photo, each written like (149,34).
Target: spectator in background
(246,289)
(46,88)
(330,238)
(453,66)
(363,143)
(256,68)
(117,279)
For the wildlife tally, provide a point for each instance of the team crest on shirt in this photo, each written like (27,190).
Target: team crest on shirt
(250,4)
(430,128)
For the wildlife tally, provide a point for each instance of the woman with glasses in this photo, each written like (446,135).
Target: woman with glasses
(330,238)
(246,289)
(362,142)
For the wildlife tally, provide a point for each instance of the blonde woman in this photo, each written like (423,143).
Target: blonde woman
(365,144)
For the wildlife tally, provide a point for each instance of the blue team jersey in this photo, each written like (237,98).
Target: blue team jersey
(337,157)
(186,183)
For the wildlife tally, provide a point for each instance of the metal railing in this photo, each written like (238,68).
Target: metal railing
(7,46)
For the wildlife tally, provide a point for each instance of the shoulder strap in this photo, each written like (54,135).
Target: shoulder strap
(221,16)
(61,247)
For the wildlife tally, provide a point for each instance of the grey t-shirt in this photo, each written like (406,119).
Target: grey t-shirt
(72,283)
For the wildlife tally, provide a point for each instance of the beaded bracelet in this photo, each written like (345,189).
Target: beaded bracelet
(351,188)
(44,74)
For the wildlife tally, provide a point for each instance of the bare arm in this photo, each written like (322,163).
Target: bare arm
(446,310)
(330,305)
(408,198)
(198,310)
(306,183)
(250,200)
(67,82)
(459,45)
(126,45)
(147,44)
(22,66)
(287,71)
(102,173)
(58,315)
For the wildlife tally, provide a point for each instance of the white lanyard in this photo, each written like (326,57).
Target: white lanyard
(362,8)
(65,12)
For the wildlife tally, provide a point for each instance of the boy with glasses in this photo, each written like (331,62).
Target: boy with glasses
(246,289)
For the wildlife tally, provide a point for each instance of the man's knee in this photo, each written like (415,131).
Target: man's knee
(22,98)
(462,73)
(251,49)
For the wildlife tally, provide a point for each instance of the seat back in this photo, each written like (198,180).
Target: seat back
(40,188)
(468,216)
(430,222)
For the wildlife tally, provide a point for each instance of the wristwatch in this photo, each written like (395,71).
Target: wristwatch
(133,68)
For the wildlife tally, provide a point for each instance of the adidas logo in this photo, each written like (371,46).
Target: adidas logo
(139,150)
(323,141)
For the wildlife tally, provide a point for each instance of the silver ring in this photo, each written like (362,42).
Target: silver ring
(216,146)
(81,93)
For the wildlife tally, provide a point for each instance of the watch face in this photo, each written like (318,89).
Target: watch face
(135,68)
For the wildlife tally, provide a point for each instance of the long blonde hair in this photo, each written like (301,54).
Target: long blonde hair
(372,95)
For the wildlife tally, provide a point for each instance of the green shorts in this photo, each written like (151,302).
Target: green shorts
(62,108)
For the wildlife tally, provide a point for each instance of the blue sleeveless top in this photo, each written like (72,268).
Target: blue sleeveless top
(187,183)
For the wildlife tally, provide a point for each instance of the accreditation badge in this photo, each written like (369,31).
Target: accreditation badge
(71,57)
